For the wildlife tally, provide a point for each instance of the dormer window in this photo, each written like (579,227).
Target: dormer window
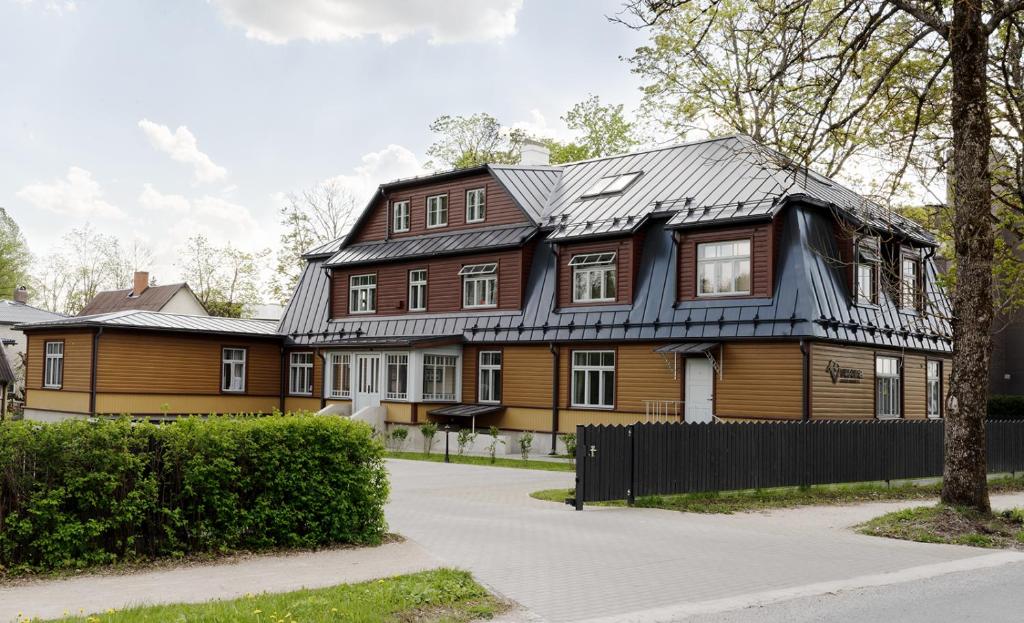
(479,285)
(437,211)
(593,278)
(476,205)
(400,216)
(866,272)
(910,281)
(612,184)
(723,268)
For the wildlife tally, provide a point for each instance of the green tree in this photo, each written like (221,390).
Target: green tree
(226,280)
(15,259)
(478,139)
(603,131)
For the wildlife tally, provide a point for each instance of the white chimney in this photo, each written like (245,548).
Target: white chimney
(533,153)
(21,295)
(140,283)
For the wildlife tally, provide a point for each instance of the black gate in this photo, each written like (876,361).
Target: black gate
(622,462)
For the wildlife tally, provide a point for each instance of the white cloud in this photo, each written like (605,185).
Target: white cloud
(220,220)
(391,163)
(451,21)
(152,199)
(537,126)
(78,194)
(181,146)
(57,7)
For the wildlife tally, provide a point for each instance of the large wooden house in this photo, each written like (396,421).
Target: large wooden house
(707,280)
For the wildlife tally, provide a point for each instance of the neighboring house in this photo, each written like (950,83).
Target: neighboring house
(14,312)
(175,298)
(700,281)
(266,311)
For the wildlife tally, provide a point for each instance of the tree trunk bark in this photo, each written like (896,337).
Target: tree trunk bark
(964,482)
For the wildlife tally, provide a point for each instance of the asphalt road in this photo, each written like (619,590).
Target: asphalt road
(991,595)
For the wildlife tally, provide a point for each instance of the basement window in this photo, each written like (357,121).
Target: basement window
(612,184)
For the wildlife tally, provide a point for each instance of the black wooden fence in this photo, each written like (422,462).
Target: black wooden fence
(623,462)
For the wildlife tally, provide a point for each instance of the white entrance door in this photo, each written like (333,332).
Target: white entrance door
(700,380)
(367,391)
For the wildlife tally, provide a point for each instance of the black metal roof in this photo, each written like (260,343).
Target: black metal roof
(471,410)
(446,243)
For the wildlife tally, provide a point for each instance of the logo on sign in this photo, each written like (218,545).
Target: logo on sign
(840,374)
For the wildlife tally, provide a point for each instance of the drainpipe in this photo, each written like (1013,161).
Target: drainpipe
(805,350)
(323,378)
(554,397)
(92,370)
(284,379)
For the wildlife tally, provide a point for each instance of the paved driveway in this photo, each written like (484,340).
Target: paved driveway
(623,564)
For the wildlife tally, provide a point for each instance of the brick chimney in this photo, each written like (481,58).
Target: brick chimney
(140,283)
(21,295)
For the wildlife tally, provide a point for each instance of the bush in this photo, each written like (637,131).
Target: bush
(428,431)
(398,437)
(525,444)
(1006,407)
(81,493)
(569,439)
(466,438)
(492,448)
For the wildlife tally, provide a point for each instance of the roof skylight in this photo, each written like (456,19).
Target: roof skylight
(612,184)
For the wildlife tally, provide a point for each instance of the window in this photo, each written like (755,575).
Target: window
(593,277)
(232,376)
(934,389)
(300,374)
(490,376)
(53,366)
(437,211)
(593,378)
(400,218)
(362,294)
(476,206)
(398,377)
(418,289)
(887,387)
(723,268)
(340,375)
(479,285)
(612,184)
(866,273)
(909,282)
(439,377)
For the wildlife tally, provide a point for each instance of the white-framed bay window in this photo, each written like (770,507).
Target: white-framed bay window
(476,205)
(593,379)
(593,277)
(479,285)
(53,365)
(490,376)
(888,388)
(362,294)
(723,268)
(232,375)
(300,374)
(437,211)
(418,289)
(439,377)
(397,371)
(934,381)
(339,375)
(400,216)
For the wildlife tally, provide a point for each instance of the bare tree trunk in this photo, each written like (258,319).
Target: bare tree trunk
(964,481)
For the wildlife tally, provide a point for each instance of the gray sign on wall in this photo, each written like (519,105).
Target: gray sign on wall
(840,374)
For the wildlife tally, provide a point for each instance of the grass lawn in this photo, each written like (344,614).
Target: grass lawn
(945,524)
(438,457)
(786,497)
(441,595)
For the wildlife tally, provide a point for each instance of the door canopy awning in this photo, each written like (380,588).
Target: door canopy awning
(466,410)
(687,348)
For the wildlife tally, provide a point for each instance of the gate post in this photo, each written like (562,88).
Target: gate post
(581,465)
(631,493)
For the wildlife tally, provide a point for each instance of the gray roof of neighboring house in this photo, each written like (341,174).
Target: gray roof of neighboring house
(159,321)
(152,298)
(433,244)
(7,376)
(12,312)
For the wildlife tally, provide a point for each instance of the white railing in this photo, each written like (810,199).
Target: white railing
(663,410)
(439,397)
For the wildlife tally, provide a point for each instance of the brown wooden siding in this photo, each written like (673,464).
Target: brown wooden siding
(626,259)
(760,381)
(77,359)
(444,285)
(501,209)
(762,265)
(150,363)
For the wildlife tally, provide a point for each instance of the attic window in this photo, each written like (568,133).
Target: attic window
(612,184)
(592,259)
(478,269)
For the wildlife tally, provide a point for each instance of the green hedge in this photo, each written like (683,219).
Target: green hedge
(1006,407)
(79,493)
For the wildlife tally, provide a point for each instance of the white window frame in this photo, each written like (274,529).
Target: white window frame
(400,216)
(733,260)
(490,368)
(300,370)
(437,205)
(866,268)
(53,365)
(612,184)
(233,363)
(476,202)
(398,360)
(476,276)
(591,268)
(888,387)
(933,383)
(342,362)
(909,295)
(590,373)
(419,286)
(442,363)
(357,304)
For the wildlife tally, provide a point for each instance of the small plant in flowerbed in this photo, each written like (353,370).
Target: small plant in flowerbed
(465,438)
(492,448)
(429,431)
(397,438)
(525,445)
(569,439)
(948,524)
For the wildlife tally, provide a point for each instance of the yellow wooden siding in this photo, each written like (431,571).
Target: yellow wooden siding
(398,411)
(760,380)
(57,400)
(915,380)
(295,404)
(77,359)
(183,404)
(520,418)
(642,374)
(842,401)
(568,419)
(526,376)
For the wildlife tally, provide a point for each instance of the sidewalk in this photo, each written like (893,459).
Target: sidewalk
(205,582)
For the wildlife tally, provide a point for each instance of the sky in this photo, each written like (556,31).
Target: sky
(154,120)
